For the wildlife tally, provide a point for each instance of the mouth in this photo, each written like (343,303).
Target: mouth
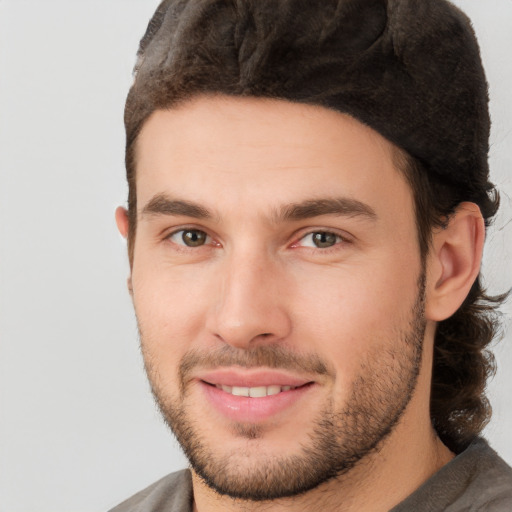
(257,391)
(254,396)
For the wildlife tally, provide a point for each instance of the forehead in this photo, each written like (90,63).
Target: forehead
(226,150)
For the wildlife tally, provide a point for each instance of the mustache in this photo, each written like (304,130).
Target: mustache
(271,356)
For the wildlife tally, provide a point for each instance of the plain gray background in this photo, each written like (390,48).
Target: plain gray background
(78,428)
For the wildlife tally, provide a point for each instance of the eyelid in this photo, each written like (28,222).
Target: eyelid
(171,230)
(175,231)
(343,236)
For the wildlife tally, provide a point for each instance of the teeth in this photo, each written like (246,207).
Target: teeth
(256,392)
(237,391)
(273,390)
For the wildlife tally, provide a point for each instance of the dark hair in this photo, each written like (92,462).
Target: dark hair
(366,58)
(462,361)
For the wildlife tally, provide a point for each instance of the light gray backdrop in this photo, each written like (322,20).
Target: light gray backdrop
(78,428)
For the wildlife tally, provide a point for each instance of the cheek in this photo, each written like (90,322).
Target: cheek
(348,313)
(170,306)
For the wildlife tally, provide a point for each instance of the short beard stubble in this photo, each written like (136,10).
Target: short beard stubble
(340,438)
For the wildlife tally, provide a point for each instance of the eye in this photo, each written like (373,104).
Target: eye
(320,239)
(190,237)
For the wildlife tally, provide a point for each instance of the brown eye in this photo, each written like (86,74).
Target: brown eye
(320,240)
(324,239)
(190,237)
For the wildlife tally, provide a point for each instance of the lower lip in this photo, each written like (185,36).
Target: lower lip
(243,409)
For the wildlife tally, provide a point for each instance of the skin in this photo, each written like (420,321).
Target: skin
(259,280)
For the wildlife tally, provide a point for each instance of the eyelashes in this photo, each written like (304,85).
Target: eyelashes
(190,238)
(322,239)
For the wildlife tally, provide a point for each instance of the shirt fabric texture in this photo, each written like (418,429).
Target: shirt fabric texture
(477,480)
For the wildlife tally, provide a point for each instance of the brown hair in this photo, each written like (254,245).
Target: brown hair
(368,59)
(462,360)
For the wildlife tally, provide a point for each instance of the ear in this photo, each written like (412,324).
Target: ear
(122,221)
(122,226)
(454,261)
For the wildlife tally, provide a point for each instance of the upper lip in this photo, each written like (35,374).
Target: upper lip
(251,378)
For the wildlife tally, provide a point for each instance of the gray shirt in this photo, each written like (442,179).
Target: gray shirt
(476,480)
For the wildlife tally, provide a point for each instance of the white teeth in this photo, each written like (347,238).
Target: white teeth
(256,392)
(273,390)
(238,391)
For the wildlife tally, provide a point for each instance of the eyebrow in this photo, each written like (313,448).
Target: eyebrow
(343,206)
(161,204)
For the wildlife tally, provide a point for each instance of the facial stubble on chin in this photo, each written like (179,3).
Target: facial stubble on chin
(339,439)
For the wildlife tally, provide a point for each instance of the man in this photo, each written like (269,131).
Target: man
(308,196)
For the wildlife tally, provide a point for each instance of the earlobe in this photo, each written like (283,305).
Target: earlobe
(122,221)
(454,261)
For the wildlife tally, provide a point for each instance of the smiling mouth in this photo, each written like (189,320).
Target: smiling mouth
(257,391)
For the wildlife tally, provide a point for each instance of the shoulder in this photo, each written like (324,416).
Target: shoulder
(476,480)
(489,479)
(173,493)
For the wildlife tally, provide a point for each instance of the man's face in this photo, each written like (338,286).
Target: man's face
(276,256)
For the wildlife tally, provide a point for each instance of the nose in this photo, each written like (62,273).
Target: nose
(250,306)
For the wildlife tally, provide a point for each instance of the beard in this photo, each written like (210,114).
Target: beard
(341,436)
